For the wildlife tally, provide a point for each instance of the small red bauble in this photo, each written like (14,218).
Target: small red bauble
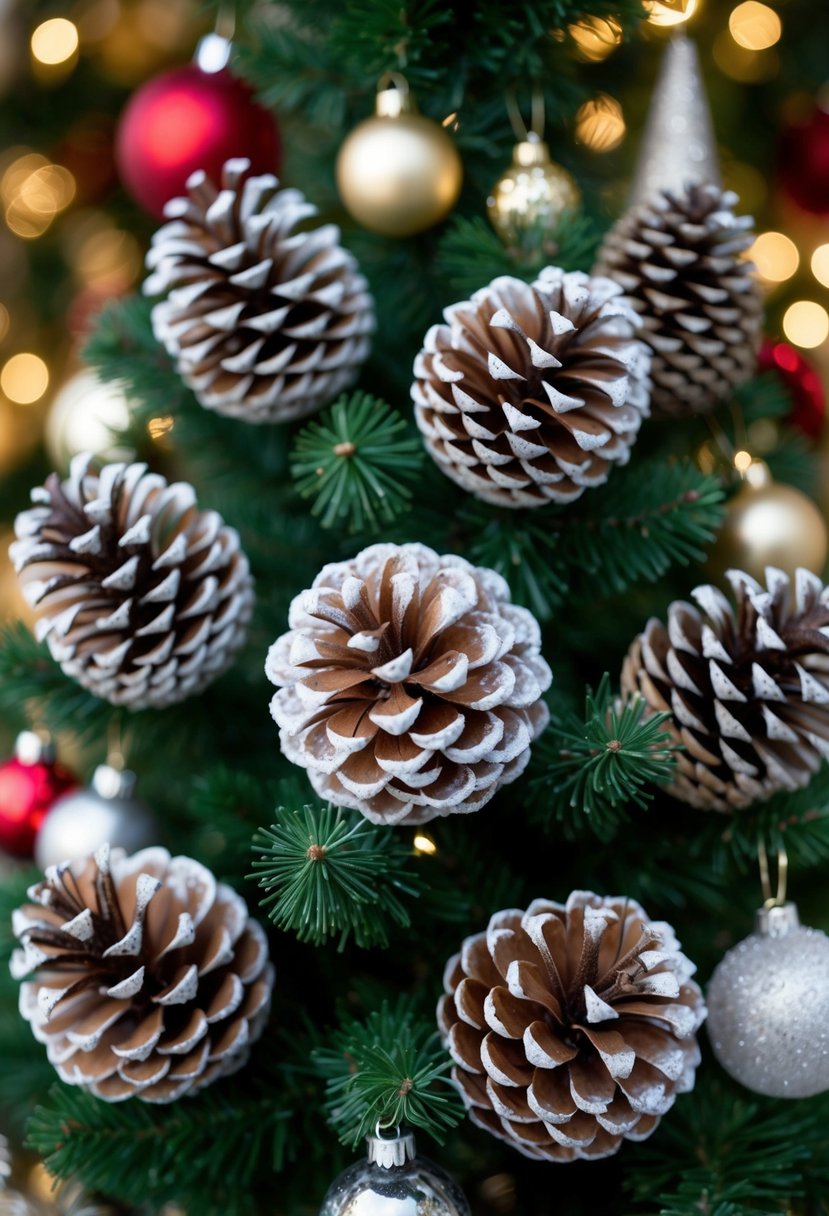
(803,382)
(189,119)
(29,785)
(804,162)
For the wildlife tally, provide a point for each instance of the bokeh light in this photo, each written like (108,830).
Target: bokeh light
(775,255)
(754,26)
(806,323)
(54,41)
(670,12)
(747,67)
(24,378)
(35,191)
(5,321)
(424,844)
(600,124)
(820,264)
(596,37)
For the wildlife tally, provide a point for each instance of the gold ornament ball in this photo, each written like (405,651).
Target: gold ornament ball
(530,197)
(398,172)
(769,524)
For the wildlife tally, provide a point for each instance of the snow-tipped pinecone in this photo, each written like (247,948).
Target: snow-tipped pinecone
(147,978)
(678,259)
(530,393)
(410,685)
(747,687)
(571,1026)
(267,321)
(143,598)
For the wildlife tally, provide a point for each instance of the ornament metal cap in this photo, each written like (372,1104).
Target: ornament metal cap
(112,782)
(392,1151)
(33,748)
(531,151)
(393,96)
(678,146)
(776,920)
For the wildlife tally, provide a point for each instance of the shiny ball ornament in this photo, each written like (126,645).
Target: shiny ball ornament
(87,415)
(530,197)
(105,812)
(768,1007)
(30,784)
(398,172)
(803,161)
(805,385)
(189,119)
(394,1181)
(769,524)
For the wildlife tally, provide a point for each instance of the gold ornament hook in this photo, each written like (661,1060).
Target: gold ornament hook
(779,899)
(535,132)
(393,96)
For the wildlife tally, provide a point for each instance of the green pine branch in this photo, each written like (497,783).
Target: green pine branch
(358,461)
(721,1150)
(330,873)
(30,680)
(389,1069)
(589,769)
(206,1153)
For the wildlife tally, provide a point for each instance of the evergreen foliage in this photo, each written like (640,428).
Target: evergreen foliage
(388,1071)
(330,873)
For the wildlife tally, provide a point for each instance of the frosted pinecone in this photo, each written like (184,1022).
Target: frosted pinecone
(679,259)
(572,1026)
(409,685)
(746,685)
(142,598)
(145,977)
(266,319)
(529,394)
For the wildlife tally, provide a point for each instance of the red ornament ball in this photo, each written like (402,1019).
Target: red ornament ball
(803,162)
(30,783)
(808,410)
(189,119)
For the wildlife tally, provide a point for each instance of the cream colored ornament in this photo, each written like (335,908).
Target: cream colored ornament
(769,524)
(398,172)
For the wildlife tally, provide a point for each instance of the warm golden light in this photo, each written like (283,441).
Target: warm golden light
(5,321)
(670,12)
(754,26)
(596,37)
(820,264)
(24,378)
(108,258)
(742,461)
(806,323)
(600,124)
(157,428)
(424,844)
(748,67)
(35,191)
(54,41)
(775,255)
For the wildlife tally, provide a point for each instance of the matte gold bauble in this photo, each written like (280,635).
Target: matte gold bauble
(768,524)
(398,172)
(530,197)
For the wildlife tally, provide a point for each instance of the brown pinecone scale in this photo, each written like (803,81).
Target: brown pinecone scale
(572,1026)
(530,393)
(146,977)
(267,320)
(678,258)
(142,598)
(746,685)
(409,685)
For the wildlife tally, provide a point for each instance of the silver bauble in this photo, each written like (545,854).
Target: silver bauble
(768,1007)
(104,813)
(394,1181)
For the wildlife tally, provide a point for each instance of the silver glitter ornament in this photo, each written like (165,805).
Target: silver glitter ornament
(678,146)
(768,1007)
(394,1181)
(106,812)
